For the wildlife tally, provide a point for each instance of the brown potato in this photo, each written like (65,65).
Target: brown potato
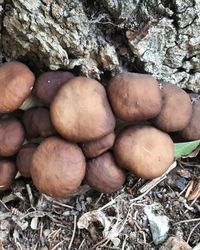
(134,96)
(176,110)
(37,123)
(81,112)
(58,167)
(16,83)
(192,131)
(48,84)
(12,136)
(24,159)
(97,147)
(8,171)
(104,175)
(144,150)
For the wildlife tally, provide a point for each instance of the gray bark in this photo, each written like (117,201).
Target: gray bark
(96,38)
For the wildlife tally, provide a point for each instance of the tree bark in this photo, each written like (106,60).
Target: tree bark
(100,38)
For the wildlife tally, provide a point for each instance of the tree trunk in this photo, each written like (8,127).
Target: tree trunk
(100,38)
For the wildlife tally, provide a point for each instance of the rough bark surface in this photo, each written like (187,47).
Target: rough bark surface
(101,37)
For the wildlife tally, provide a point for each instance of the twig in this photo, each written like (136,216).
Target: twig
(188,239)
(30,195)
(41,232)
(156,181)
(18,175)
(100,197)
(99,243)
(107,205)
(56,202)
(140,196)
(150,185)
(73,234)
(184,189)
(189,189)
(62,204)
(53,234)
(105,243)
(133,187)
(59,243)
(195,199)
(83,241)
(189,164)
(124,242)
(186,221)
(36,245)
(137,205)
(144,237)
(4,205)
(18,245)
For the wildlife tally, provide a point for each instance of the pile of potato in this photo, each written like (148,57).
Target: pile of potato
(63,130)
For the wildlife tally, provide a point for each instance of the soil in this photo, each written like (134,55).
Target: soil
(29,220)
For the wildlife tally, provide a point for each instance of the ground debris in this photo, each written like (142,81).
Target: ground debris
(115,221)
(175,243)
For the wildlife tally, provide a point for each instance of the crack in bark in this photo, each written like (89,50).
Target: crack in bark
(92,38)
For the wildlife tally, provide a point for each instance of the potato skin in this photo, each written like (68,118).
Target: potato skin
(58,167)
(144,150)
(37,123)
(24,159)
(192,131)
(81,112)
(48,83)
(134,96)
(104,175)
(16,83)
(176,109)
(12,135)
(8,171)
(97,147)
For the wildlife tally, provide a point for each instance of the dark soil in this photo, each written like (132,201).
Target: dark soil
(29,220)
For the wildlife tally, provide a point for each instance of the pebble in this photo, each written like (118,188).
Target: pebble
(159,224)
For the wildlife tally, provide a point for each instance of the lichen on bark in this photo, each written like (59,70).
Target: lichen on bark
(96,37)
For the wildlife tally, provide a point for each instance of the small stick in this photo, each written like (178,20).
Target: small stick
(83,241)
(62,204)
(30,195)
(188,239)
(36,245)
(195,199)
(56,202)
(54,233)
(107,205)
(99,243)
(4,205)
(184,189)
(124,242)
(144,237)
(105,243)
(156,181)
(100,197)
(186,221)
(189,189)
(74,231)
(59,243)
